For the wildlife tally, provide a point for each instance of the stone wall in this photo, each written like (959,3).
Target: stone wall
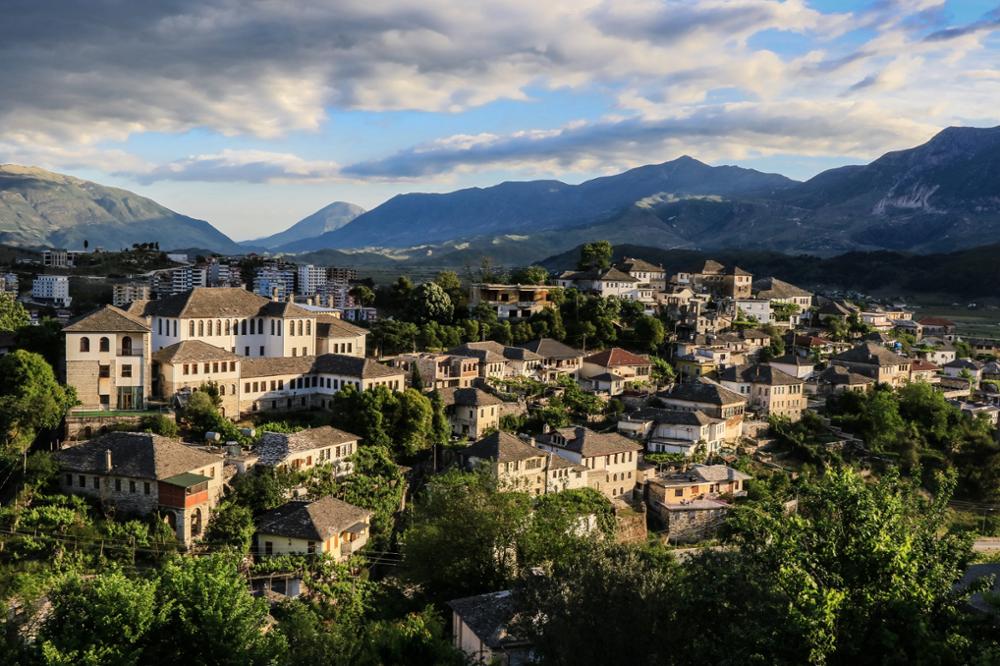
(693,525)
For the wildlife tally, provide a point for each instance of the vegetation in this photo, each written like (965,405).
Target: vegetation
(31,400)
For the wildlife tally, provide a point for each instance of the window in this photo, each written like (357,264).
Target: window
(159,326)
(246,389)
(105,345)
(104,371)
(304,352)
(260,326)
(82,480)
(218,327)
(246,351)
(185,369)
(201,329)
(268,548)
(300,327)
(131,486)
(127,370)
(272,327)
(222,389)
(215,366)
(262,350)
(118,485)
(295,352)
(229,327)
(85,344)
(308,327)
(244,327)
(679,492)
(191,329)
(69,480)
(208,368)
(97,483)
(145,487)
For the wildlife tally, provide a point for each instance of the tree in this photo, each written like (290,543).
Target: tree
(391,336)
(463,536)
(530,275)
(429,302)
(662,372)
(362,294)
(13,316)
(649,333)
(413,422)
(568,611)
(31,400)
(202,413)
(46,339)
(596,255)
(103,620)
(452,285)
(208,615)
(231,525)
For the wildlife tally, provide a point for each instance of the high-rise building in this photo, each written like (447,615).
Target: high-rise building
(274,281)
(53,288)
(310,279)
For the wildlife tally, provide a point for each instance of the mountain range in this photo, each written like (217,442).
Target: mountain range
(41,208)
(941,196)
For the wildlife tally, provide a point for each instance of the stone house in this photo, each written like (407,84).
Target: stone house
(471,412)
(625,365)
(326,526)
(691,504)
(191,364)
(770,391)
(674,431)
(838,378)
(511,302)
(779,291)
(877,362)
(713,399)
(519,466)
(438,371)
(305,449)
(141,474)
(937,326)
(557,359)
(107,360)
(483,628)
(962,368)
(644,272)
(734,283)
(611,459)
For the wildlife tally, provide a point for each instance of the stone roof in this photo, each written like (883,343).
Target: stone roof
(869,353)
(717,473)
(588,443)
(705,391)
(794,359)
(675,416)
(920,365)
(486,352)
(772,287)
(489,616)
(273,448)
(549,348)
(936,321)
(834,308)
(615,357)
(329,326)
(330,364)
(711,267)
(502,447)
(314,521)
(964,364)
(838,375)
(629,264)
(134,454)
(193,350)
(758,374)
(607,377)
(468,397)
(208,302)
(108,319)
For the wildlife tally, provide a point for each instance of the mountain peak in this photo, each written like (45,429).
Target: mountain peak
(329,218)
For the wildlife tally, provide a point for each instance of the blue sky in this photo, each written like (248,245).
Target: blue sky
(253,114)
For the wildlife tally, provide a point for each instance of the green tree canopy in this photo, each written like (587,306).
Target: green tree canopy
(13,316)
(31,400)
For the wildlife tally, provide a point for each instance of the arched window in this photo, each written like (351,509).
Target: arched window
(300,327)
(85,344)
(244,325)
(222,389)
(229,327)
(218,327)
(191,329)
(201,329)
(309,327)
(279,327)
(260,326)
(126,346)
(105,345)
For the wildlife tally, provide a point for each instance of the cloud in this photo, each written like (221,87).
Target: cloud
(78,77)
(249,166)
(730,130)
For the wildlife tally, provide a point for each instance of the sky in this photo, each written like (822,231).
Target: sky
(251,114)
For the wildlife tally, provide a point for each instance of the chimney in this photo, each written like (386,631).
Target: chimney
(309,301)
(274,293)
(107,460)
(291,297)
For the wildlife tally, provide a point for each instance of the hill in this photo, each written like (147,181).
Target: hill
(42,208)
(328,218)
(972,273)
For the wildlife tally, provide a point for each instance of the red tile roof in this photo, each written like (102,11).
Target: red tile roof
(614,357)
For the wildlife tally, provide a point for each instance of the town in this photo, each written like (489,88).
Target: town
(436,445)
